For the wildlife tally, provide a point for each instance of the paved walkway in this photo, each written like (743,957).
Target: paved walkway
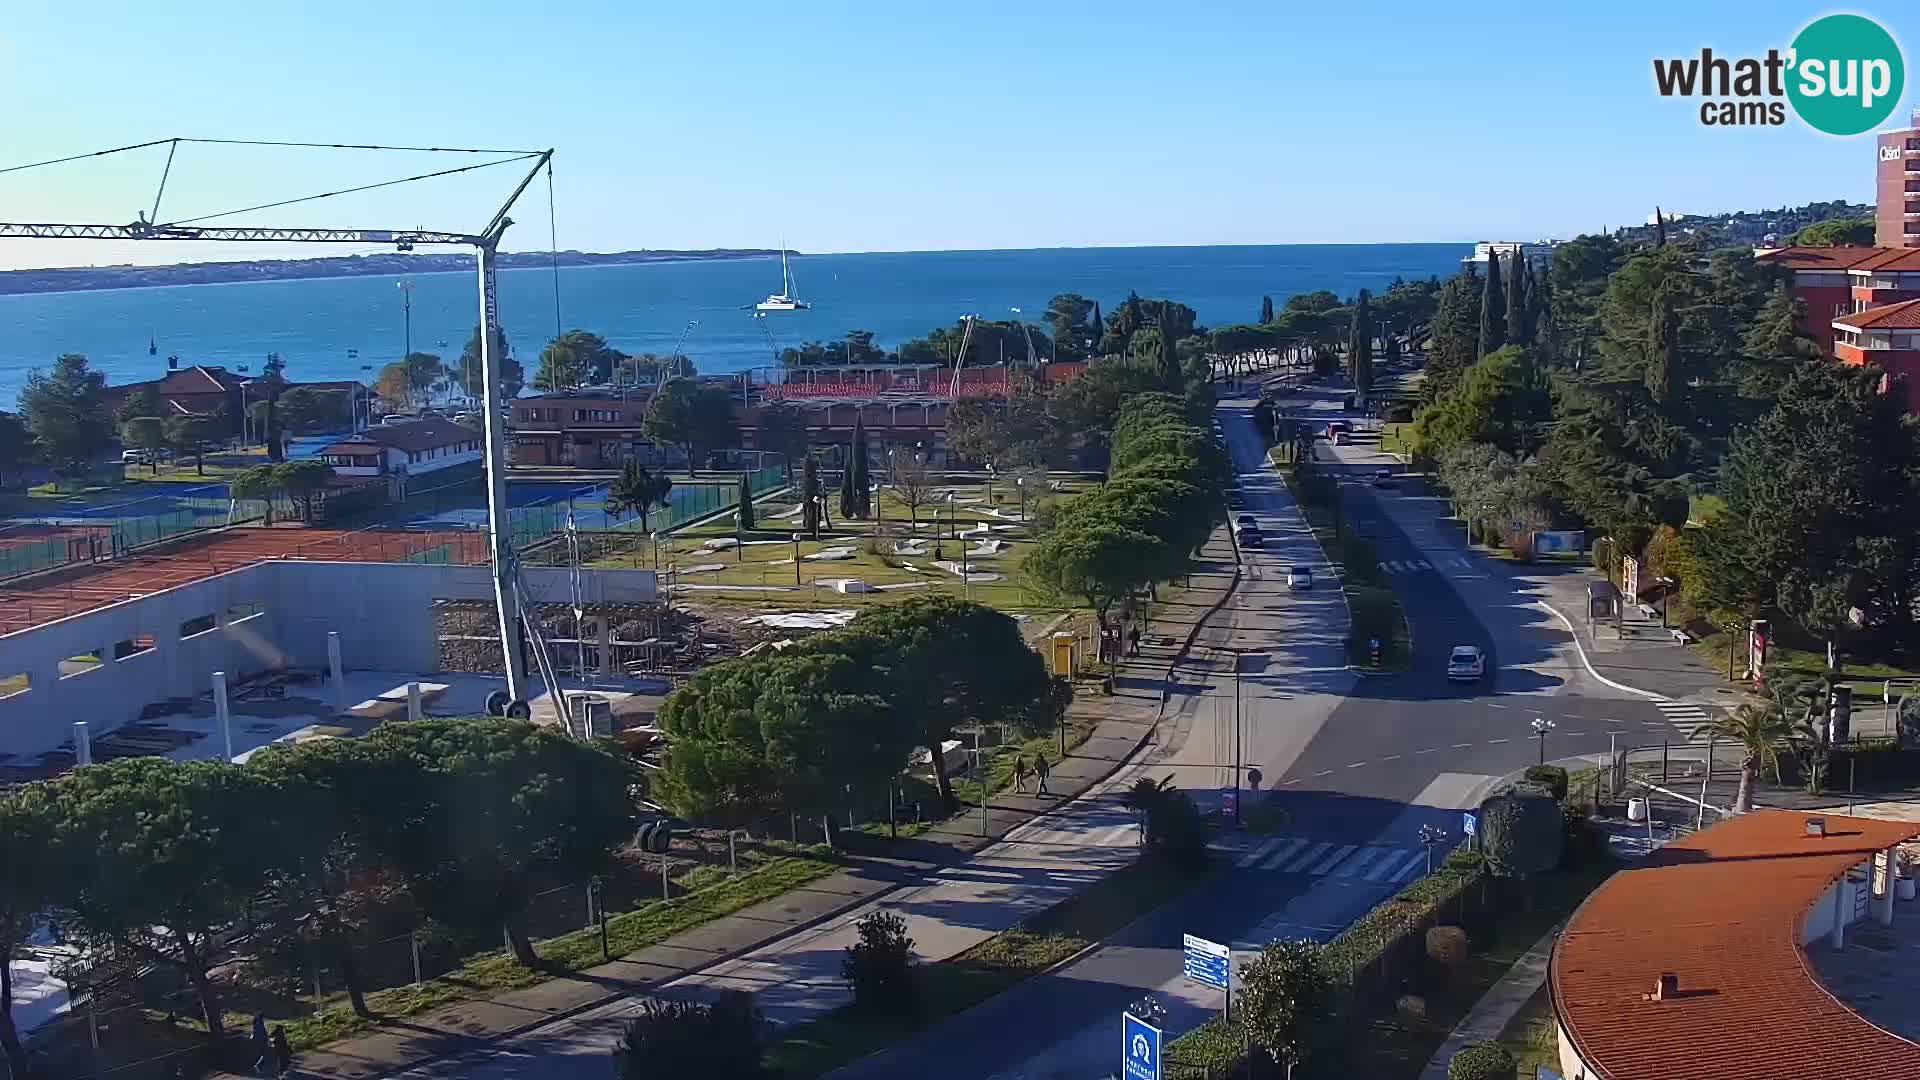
(722,948)
(1498,1006)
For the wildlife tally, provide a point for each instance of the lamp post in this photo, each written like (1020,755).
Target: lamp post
(1430,837)
(674,360)
(406,309)
(1542,725)
(796,560)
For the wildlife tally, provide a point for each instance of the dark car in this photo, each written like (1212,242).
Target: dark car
(1247,521)
(1250,538)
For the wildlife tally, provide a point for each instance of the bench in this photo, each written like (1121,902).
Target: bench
(1680,637)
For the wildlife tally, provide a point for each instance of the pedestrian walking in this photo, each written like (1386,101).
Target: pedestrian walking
(1133,641)
(1040,771)
(262,1046)
(1019,773)
(282,1052)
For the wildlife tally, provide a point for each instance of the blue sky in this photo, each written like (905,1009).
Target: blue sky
(903,126)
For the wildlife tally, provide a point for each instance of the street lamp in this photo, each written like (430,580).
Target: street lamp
(1542,725)
(1431,837)
(796,559)
(681,340)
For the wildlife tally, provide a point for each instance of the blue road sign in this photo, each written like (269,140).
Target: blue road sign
(1139,1049)
(1469,825)
(1205,961)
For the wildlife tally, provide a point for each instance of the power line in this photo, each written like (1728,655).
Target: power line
(349,191)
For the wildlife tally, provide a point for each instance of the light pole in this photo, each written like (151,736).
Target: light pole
(796,560)
(1542,725)
(1430,837)
(681,340)
(1239,658)
(406,308)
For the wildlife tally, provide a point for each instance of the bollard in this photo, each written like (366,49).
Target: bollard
(413,939)
(414,712)
(733,858)
(82,744)
(222,719)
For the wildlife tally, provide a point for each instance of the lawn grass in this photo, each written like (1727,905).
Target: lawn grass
(1000,760)
(1533,1036)
(1867,676)
(950,987)
(1701,507)
(1393,439)
(489,973)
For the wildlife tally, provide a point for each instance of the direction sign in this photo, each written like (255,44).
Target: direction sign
(1205,961)
(1139,1049)
(1469,825)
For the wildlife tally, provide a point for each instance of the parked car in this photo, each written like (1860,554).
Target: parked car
(1466,663)
(136,457)
(1250,538)
(1299,578)
(1247,521)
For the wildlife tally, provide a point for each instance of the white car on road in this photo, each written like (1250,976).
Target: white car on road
(1299,577)
(1466,663)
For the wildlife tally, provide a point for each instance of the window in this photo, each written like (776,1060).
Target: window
(133,646)
(245,609)
(199,624)
(17,683)
(81,664)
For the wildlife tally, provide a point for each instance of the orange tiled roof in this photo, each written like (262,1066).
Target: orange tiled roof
(1845,258)
(1722,911)
(1904,315)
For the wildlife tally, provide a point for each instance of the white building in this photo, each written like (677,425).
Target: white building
(1539,252)
(410,449)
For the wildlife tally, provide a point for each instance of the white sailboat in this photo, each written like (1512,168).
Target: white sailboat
(784,300)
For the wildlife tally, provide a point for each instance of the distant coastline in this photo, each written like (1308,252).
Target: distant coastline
(98,278)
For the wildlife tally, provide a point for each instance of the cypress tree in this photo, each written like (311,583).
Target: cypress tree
(1170,372)
(1663,348)
(810,496)
(1517,301)
(848,508)
(1493,309)
(862,483)
(1360,345)
(1659,228)
(1540,301)
(1099,328)
(746,503)
(1266,310)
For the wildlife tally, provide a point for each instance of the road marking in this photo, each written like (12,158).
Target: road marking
(1357,866)
(1491,705)
(1324,772)
(1496,742)
(1388,868)
(1253,856)
(1391,757)
(1334,859)
(1293,848)
(1428,750)
(1463,746)
(1573,733)
(1356,764)
(1293,781)
(1414,866)
(1313,853)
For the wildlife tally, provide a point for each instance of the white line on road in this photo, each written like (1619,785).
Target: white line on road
(1414,866)
(1428,750)
(1334,859)
(1391,757)
(1356,764)
(1313,853)
(1491,705)
(1495,742)
(1463,746)
(1324,772)
(1292,848)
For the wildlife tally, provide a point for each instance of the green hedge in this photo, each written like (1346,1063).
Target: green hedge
(1481,1061)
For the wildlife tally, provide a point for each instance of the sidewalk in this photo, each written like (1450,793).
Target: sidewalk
(1126,721)
(1498,1006)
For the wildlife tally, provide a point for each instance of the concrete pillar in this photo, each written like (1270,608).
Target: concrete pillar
(222,718)
(413,701)
(82,743)
(333,669)
(1884,903)
(1842,907)
(605,638)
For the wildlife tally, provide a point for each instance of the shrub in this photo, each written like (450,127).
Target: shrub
(879,966)
(1521,832)
(1481,1061)
(721,1041)
(1581,839)
(1551,777)
(1399,412)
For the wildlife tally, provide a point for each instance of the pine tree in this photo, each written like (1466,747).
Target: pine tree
(1493,309)
(862,483)
(746,503)
(1266,310)
(1663,348)
(1517,300)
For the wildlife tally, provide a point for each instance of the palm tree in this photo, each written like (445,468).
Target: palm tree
(1148,798)
(1757,730)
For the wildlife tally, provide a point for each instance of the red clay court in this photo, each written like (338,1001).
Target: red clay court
(57,594)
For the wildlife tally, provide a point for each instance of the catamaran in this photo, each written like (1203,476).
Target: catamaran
(784,300)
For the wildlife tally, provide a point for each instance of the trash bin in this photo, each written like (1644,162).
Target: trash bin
(1636,809)
(592,717)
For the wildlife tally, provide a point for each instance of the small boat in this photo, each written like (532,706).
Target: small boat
(784,300)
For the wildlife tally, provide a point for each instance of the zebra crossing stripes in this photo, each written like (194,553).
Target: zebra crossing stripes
(1404,566)
(1325,858)
(1451,565)
(1684,715)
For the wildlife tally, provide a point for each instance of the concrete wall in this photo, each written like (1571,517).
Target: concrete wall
(266,616)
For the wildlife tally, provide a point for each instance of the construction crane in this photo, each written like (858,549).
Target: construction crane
(486,244)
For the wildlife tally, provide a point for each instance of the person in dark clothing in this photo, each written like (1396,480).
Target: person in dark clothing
(1019,773)
(1041,770)
(282,1051)
(1133,641)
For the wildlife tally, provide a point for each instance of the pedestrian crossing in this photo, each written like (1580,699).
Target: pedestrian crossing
(1684,715)
(1382,863)
(1451,565)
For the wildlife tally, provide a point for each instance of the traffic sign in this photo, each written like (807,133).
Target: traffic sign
(1205,961)
(1469,825)
(1139,1049)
